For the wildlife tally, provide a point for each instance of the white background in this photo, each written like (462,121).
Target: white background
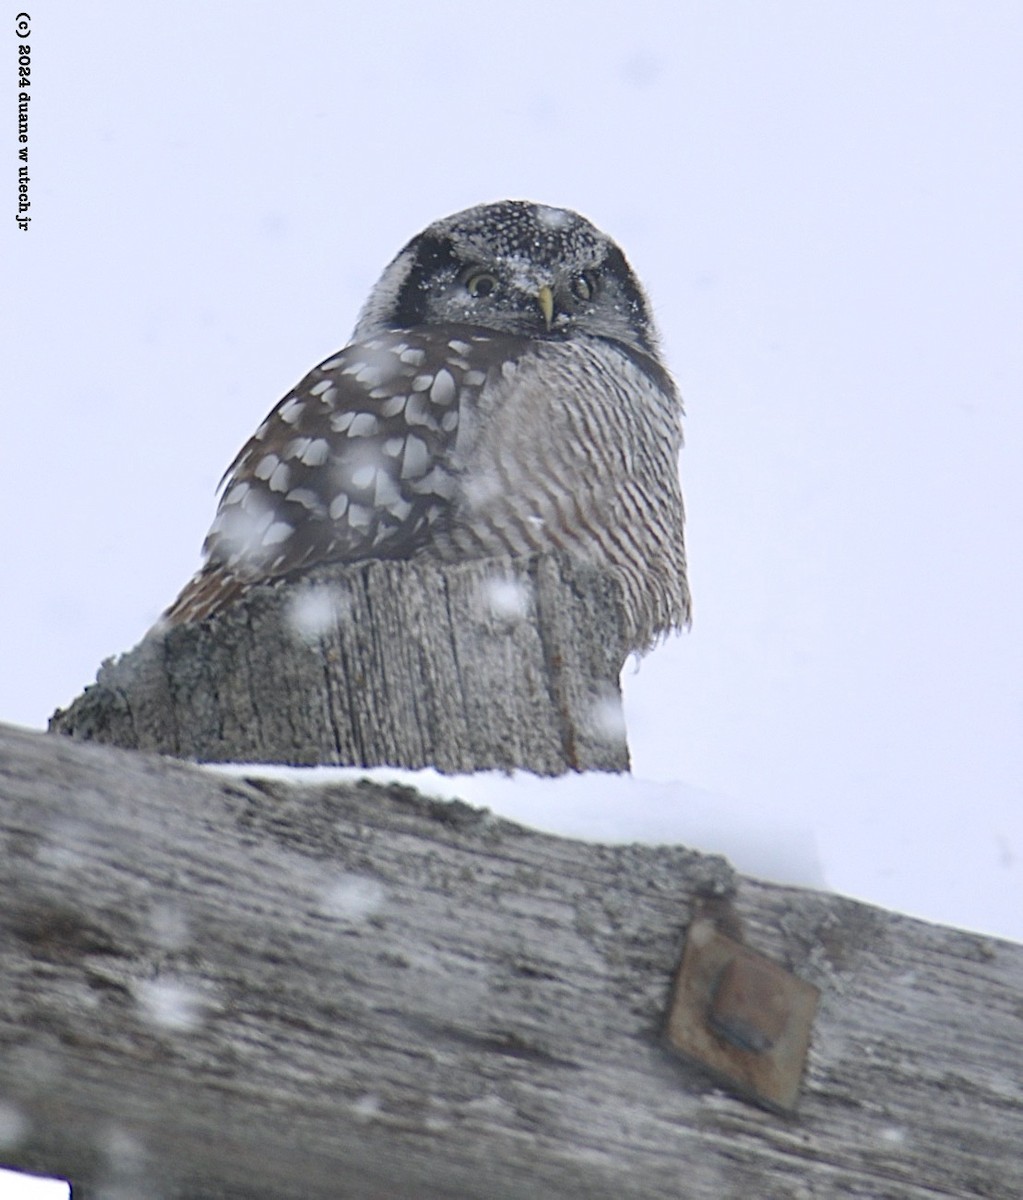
(824,201)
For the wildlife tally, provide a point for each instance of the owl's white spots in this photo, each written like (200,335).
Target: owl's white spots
(417,411)
(459,347)
(266,466)
(375,363)
(359,516)
(474,379)
(280,478)
(306,497)
(385,490)
(449,422)
(332,364)
(416,457)
(239,531)
(318,389)
(438,483)
(253,503)
(291,410)
(236,493)
(338,506)
(372,374)
(316,453)
(278,532)
(412,355)
(443,389)
(341,421)
(393,446)
(393,406)
(422,383)
(239,528)
(364,424)
(363,477)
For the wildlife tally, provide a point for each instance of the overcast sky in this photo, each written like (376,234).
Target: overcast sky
(824,202)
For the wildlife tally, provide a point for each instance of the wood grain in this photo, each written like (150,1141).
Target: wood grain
(499,663)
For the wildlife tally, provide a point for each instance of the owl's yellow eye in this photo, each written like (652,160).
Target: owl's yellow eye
(480,284)
(584,286)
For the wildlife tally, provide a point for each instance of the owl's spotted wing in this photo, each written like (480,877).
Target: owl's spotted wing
(358,461)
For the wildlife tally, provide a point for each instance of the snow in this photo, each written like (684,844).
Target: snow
(16,1186)
(600,807)
(170,1003)
(352,898)
(313,611)
(507,598)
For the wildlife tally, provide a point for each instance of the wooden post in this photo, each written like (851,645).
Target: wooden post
(499,663)
(215,987)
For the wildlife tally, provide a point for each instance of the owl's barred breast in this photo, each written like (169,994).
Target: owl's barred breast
(502,394)
(575,448)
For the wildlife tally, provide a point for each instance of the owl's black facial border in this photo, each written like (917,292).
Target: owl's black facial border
(431,255)
(615,264)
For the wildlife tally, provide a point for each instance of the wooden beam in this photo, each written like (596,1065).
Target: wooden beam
(225,987)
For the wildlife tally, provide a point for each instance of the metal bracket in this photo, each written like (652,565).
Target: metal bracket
(742,1016)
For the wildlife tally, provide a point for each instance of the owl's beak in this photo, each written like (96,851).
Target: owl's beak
(545,298)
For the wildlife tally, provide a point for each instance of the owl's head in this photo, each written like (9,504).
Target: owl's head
(514,267)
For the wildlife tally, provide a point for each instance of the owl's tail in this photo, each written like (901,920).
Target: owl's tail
(210,590)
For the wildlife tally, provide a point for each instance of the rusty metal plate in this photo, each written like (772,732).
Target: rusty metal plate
(741,1015)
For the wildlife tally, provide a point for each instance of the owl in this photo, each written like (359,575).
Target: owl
(502,394)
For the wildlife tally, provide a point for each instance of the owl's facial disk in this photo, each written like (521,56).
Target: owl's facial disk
(517,268)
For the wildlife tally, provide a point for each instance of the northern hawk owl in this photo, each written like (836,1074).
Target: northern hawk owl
(502,393)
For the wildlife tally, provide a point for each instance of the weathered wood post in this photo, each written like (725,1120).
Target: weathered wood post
(497,663)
